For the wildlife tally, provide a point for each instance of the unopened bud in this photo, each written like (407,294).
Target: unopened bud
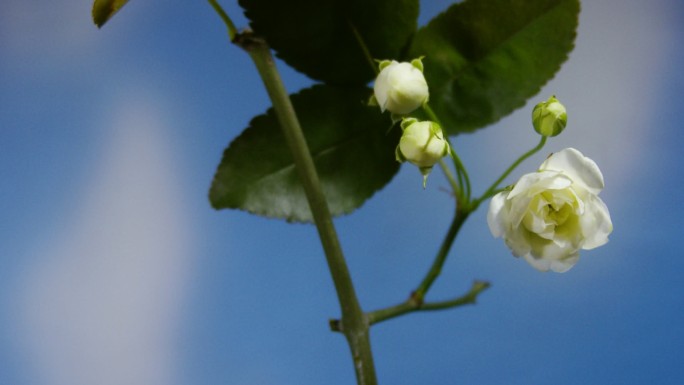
(400,87)
(422,144)
(549,118)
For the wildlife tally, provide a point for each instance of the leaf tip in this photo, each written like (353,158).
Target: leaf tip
(103,10)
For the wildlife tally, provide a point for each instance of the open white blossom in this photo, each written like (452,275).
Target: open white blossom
(549,215)
(400,88)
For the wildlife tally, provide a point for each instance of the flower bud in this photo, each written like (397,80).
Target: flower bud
(400,87)
(549,118)
(422,144)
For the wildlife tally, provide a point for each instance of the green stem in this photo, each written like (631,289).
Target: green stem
(232,30)
(493,188)
(469,298)
(364,48)
(458,164)
(455,185)
(461,172)
(411,305)
(436,268)
(354,323)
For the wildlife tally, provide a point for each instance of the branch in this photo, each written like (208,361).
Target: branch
(354,323)
(414,305)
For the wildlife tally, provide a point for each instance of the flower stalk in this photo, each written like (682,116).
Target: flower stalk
(354,324)
(436,268)
(493,188)
(463,192)
(232,30)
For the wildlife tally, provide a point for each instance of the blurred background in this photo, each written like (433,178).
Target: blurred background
(115,270)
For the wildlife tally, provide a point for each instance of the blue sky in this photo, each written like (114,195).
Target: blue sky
(115,270)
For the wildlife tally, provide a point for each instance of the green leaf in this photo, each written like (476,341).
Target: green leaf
(485,58)
(316,36)
(353,153)
(103,10)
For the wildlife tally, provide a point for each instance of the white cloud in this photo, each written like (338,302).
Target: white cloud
(101,305)
(46,35)
(43,28)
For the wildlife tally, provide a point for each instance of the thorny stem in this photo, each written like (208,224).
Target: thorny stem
(354,323)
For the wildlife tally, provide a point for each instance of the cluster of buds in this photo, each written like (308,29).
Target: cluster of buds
(400,88)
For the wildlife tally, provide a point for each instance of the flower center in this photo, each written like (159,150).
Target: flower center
(550,213)
(558,215)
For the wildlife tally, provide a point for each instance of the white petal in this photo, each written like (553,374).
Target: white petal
(517,241)
(406,87)
(536,218)
(582,170)
(497,217)
(382,86)
(565,264)
(596,223)
(536,182)
(539,264)
(517,209)
(524,183)
(557,265)
(551,181)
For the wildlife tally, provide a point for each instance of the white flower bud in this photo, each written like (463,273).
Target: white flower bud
(422,144)
(549,118)
(400,87)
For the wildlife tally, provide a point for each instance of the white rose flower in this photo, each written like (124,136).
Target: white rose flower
(400,87)
(549,215)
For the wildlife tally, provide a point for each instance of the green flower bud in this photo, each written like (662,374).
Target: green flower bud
(400,87)
(422,144)
(549,118)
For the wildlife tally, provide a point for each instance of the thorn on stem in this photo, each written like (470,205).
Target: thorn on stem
(335,325)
